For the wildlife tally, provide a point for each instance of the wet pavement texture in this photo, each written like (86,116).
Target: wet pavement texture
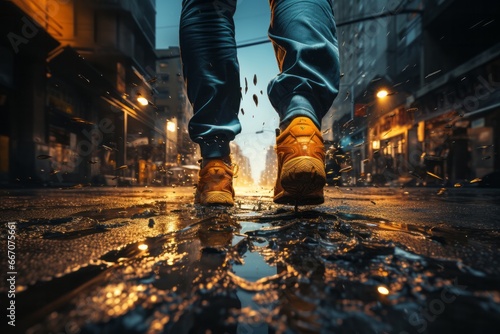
(145,260)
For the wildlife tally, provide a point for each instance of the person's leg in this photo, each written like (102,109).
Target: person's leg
(211,72)
(303,33)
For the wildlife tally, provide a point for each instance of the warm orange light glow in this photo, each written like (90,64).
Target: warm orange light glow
(142,100)
(143,247)
(171,126)
(382,93)
(383,290)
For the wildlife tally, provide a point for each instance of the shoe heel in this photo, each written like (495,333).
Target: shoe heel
(302,176)
(217,198)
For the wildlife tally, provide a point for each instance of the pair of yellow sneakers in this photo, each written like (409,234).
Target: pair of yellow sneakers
(301,170)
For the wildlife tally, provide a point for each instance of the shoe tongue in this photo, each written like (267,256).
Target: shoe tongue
(301,130)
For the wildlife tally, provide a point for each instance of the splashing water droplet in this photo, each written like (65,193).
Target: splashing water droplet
(83,78)
(441,191)
(345,169)
(434,175)
(256,100)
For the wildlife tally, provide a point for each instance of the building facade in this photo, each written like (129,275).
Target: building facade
(457,106)
(73,75)
(243,168)
(437,60)
(364,56)
(269,174)
(172,101)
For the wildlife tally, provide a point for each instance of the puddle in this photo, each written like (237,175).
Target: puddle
(277,272)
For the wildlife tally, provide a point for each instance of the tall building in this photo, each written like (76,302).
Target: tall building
(458,105)
(174,106)
(437,61)
(390,122)
(363,46)
(24,46)
(78,92)
(244,173)
(269,174)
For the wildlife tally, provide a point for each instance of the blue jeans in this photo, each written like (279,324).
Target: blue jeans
(303,34)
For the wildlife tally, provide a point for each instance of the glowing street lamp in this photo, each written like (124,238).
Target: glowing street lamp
(382,93)
(171,126)
(142,100)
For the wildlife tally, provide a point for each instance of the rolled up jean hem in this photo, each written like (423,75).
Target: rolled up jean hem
(299,112)
(297,106)
(214,149)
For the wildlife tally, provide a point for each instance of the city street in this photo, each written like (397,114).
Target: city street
(113,112)
(146,260)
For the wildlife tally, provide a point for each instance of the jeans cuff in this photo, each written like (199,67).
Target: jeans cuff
(214,148)
(297,106)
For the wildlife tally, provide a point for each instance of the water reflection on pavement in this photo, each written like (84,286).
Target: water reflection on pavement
(261,269)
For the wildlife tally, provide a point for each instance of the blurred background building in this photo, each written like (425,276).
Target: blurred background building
(77,69)
(420,90)
(175,110)
(86,98)
(244,169)
(268,175)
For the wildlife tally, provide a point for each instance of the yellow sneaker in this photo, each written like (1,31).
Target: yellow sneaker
(301,164)
(215,184)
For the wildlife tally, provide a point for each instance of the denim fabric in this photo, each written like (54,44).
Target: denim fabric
(303,33)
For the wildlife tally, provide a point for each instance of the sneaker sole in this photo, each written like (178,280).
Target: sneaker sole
(310,199)
(302,176)
(216,198)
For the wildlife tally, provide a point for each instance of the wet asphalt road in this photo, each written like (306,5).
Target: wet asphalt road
(145,260)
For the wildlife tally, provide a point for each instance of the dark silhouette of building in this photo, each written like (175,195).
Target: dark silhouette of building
(438,61)
(72,73)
